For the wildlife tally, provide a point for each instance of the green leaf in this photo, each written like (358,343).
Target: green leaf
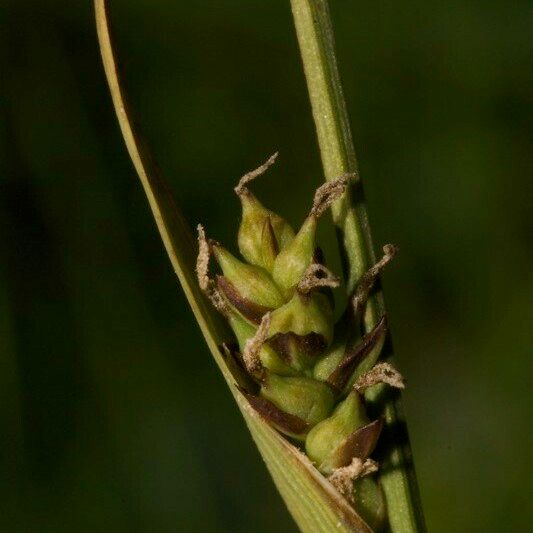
(311,499)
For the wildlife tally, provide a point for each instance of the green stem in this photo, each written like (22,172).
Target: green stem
(316,41)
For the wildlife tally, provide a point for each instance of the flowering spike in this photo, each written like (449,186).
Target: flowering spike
(299,371)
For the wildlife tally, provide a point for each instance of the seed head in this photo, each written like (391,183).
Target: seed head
(301,372)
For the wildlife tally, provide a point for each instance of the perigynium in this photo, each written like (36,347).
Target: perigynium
(302,372)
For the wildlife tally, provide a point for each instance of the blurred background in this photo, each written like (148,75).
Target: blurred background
(113,415)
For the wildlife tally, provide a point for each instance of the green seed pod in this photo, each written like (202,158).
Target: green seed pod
(262,233)
(292,262)
(305,398)
(302,315)
(302,329)
(370,502)
(329,361)
(326,437)
(327,364)
(269,358)
(248,309)
(360,444)
(252,283)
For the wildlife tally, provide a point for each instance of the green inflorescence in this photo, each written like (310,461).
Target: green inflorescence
(303,373)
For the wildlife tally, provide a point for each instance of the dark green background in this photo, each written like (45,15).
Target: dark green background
(113,415)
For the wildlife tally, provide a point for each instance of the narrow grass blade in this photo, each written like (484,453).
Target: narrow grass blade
(312,501)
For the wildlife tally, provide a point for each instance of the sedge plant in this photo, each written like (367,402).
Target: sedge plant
(313,390)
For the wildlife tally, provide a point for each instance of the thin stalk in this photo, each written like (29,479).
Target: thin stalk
(316,41)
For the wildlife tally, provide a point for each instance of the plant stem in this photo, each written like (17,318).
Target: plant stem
(316,41)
